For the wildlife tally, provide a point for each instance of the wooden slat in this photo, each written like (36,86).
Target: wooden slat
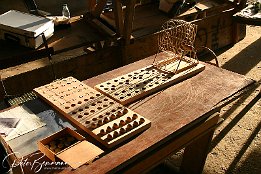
(128,20)
(140,83)
(118,15)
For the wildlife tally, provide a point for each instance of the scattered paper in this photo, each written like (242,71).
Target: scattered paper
(7,125)
(28,121)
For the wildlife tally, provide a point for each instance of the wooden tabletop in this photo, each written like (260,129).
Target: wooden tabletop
(172,111)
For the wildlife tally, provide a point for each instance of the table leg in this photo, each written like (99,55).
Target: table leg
(195,154)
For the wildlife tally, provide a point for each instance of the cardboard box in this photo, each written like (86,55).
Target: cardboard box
(86,151)
(24,28)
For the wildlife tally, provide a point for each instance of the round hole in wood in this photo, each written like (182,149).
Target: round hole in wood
(113,110)
(105,106)
(134,77)
(137,91)
(87,122)
(122,78)
(143,88)
(100,116)
(94,119)
(98,95)
(111,103)
(79,102)
(137,86)
(107,113)
(67,107)
(93,104)
(74,113)
(120,83)
(101,86)
(86,113)
(119,107)
(105,99)
(85,99)
(80,116)
(129,75)
(99,108)
(116,94)
(115,80)
(80,109)
(92,111)
(112,89)
(86,107)
(130,88)
(91,97)
(121,97)
(99,102)
(128,94)
(108,83)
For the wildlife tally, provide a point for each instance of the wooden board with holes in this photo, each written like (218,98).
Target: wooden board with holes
(137,84)
(106,120)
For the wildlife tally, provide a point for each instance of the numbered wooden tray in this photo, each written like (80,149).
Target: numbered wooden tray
(137,84)
(103,118)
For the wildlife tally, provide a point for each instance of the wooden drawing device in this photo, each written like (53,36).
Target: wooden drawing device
(137,84)
(103,118)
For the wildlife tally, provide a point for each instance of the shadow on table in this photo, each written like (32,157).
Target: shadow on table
(241,63)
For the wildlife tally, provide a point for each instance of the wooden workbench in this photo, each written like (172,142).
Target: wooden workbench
(183,115)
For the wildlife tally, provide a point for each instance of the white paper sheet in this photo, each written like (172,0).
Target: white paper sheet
(28,121)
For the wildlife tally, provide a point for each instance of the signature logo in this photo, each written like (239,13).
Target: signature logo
(36,165)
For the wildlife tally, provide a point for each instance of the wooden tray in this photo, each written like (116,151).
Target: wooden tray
(137,84)
(106,120)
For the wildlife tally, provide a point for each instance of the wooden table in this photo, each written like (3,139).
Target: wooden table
(183,115)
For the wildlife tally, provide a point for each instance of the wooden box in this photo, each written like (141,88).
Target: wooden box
(86,151)
(24,28)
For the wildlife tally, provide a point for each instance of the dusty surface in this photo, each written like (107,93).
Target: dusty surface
(239,150)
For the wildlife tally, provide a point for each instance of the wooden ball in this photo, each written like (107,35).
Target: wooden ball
(102,132)
(128,120)
(135,124)
(125,111)
(142,120)
(122,130)
(122,123)
(115,126)
(109,129)
(109,137)
(115,134)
